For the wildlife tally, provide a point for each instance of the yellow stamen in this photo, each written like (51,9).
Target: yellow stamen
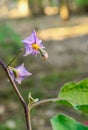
(35,46)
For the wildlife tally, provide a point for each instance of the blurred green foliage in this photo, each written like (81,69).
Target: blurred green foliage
(82,3)
(10,42)
(8,36)
(11,125)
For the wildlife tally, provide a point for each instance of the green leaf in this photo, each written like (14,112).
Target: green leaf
(63,122)
(83,108)
(75,94)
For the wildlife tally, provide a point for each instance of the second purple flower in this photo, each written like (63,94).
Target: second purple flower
(18,73)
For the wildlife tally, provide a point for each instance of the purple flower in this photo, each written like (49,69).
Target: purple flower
(18,73)
(32,44)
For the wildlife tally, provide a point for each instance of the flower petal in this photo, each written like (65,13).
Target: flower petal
(29,42)
(19,73)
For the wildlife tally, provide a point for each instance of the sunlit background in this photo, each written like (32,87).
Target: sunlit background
(63,27)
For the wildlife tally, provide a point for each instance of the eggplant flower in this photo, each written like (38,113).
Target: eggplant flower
(18,73)
(32,44)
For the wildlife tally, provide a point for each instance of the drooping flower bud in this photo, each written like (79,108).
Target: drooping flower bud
(44,54)
(18,73)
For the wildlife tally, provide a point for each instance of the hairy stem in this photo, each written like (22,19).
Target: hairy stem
(49,100)
(29,116)
(18,94)
(44,101)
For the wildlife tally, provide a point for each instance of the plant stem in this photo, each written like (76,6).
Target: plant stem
(44,101)
(28,120)
(18,94)
(29,116)
(50,100)
(15,57)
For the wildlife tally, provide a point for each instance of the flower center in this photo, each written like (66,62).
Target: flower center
(35,46)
